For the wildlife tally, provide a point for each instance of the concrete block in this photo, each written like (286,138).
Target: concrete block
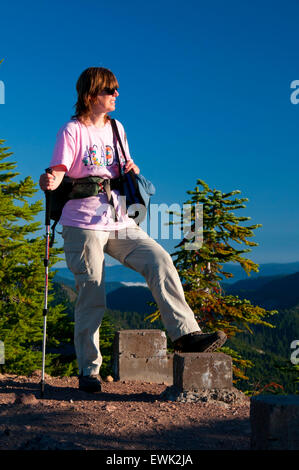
(274,422)
(193,371)
(151,369)
(140,343)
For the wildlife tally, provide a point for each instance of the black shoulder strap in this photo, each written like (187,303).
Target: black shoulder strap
(116,133)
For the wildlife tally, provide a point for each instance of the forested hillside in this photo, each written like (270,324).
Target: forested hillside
(269,348)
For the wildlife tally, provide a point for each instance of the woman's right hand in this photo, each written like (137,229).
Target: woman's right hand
(51,181)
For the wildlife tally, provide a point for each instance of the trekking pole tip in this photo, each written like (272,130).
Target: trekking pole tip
(42,388)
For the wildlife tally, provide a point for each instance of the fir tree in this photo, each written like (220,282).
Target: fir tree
(22,276)
(201,270)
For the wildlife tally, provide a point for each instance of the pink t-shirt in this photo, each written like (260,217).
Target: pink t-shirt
(90,151)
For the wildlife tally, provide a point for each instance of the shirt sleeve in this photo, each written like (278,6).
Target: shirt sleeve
(64,149)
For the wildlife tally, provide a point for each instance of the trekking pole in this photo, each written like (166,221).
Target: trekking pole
(46,264)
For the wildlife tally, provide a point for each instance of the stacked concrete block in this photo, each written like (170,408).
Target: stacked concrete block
(142,355)
(274,422)
(198,371)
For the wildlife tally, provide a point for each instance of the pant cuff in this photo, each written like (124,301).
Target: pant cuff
(183,332)
(91,370)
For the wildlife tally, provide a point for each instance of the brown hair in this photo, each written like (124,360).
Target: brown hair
(91,82)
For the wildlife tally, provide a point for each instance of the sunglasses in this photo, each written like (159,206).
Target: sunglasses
(109,91)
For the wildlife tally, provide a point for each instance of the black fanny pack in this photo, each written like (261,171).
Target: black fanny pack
(79,188)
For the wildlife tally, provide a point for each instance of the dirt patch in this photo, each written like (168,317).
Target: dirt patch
(124,416)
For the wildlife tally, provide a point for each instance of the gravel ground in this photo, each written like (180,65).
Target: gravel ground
(124,416)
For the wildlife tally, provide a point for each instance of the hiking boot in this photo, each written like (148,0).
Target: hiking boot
(200,342)
(89,383)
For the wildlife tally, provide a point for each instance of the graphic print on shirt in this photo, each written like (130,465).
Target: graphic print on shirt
(90,156)
(109,154)
(106,158)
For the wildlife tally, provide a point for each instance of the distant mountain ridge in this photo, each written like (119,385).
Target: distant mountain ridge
(131,299)
(126,290)
(249,284)
(279,292)
(267,269)
(120,273)
(270,292)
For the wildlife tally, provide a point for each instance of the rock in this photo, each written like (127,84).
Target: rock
(38,373)
(231,395)
(26,399)
(109,378)
(109,408)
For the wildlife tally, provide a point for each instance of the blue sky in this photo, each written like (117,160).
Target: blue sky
(204,93)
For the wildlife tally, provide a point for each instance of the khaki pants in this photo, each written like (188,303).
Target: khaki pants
(84,252)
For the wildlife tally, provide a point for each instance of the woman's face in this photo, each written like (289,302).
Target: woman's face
(105,101)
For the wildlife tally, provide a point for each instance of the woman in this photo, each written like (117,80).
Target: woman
(93,226)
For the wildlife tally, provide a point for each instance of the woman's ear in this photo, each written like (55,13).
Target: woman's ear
(91,99)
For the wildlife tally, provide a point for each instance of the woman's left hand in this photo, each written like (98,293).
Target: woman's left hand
(130,165)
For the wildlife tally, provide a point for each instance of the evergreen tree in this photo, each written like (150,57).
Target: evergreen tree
(201,269)
(22,276)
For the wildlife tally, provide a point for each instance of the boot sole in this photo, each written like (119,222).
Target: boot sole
(203,349)
(217,344)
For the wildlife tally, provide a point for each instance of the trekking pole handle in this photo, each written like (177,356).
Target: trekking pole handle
(48,201)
